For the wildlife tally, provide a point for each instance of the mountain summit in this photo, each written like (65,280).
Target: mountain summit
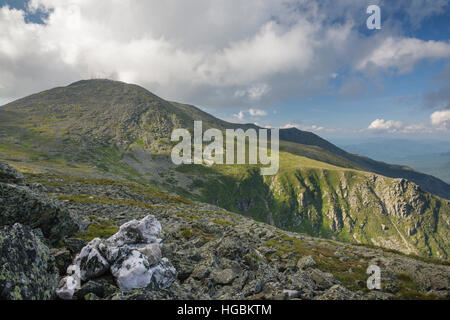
(110,129)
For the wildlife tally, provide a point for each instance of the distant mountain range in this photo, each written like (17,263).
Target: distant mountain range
(103,128)
(428,156)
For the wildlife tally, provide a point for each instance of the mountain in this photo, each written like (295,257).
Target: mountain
(108,129)
(426,182)
(206,252)
(428,156)
(385,149)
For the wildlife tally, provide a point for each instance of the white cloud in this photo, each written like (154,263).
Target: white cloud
(382,125)
(290,125)
(313,127)
(246,53)
(441,119)
(254,93)
(257,112)
(403,53)
(251,112)
(240,115)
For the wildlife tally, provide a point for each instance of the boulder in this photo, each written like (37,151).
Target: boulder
(27,269)
(164,274)
(152,252)
(63,259)
(132,271)
(91,262)
(132,255)
(97,288)
(20,204)
(135,232)
(338,292)
(67,287)
(322,280)
(10,175)
(306,262)
(75,245)
(223,277)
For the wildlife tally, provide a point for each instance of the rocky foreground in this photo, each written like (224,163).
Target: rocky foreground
(58,230)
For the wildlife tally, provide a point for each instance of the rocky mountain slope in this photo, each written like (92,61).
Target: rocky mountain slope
(216,254)
(102,128)
(101,112)
(348,205)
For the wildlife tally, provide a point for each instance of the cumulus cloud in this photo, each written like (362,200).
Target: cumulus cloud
(209,52)
(441,119)
(402,54)
(383,125)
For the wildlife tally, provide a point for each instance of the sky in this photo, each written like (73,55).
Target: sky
(313,65)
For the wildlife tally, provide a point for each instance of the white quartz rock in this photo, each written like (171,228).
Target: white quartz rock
(90,261)
(163,275)
(133,272)
(132,255)
(67,287)
(134,232)
(153,252)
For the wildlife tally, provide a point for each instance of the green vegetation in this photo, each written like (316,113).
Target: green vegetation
(326,201)
(320,189)
(62,180)
(99,228)
(224,222)
(350,273)
(89,199)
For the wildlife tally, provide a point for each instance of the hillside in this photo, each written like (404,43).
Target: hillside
(109,111)
(209,253)
(108,129)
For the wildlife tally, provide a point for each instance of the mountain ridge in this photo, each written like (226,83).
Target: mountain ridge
(145,101)
(104,128)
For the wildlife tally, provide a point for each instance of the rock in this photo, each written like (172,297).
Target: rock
(184,270)
(230,248)
(200,272)
(292,294)
(306,262)
(36,187)
(63,259)
(75,245)
(20,204)
(132,271)
(338,292)
(153,253)
(91,287)
(378,295)
(10,175)
(91,262)
(322,280)
(223,277)
(27,270)
(302,282)
(91,296)
(164,274)
(67,287)
(132,255)
(133,232)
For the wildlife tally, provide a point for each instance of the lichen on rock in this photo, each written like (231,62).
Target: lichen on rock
(27,269)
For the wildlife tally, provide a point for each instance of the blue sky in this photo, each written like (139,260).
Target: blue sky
(312,65)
